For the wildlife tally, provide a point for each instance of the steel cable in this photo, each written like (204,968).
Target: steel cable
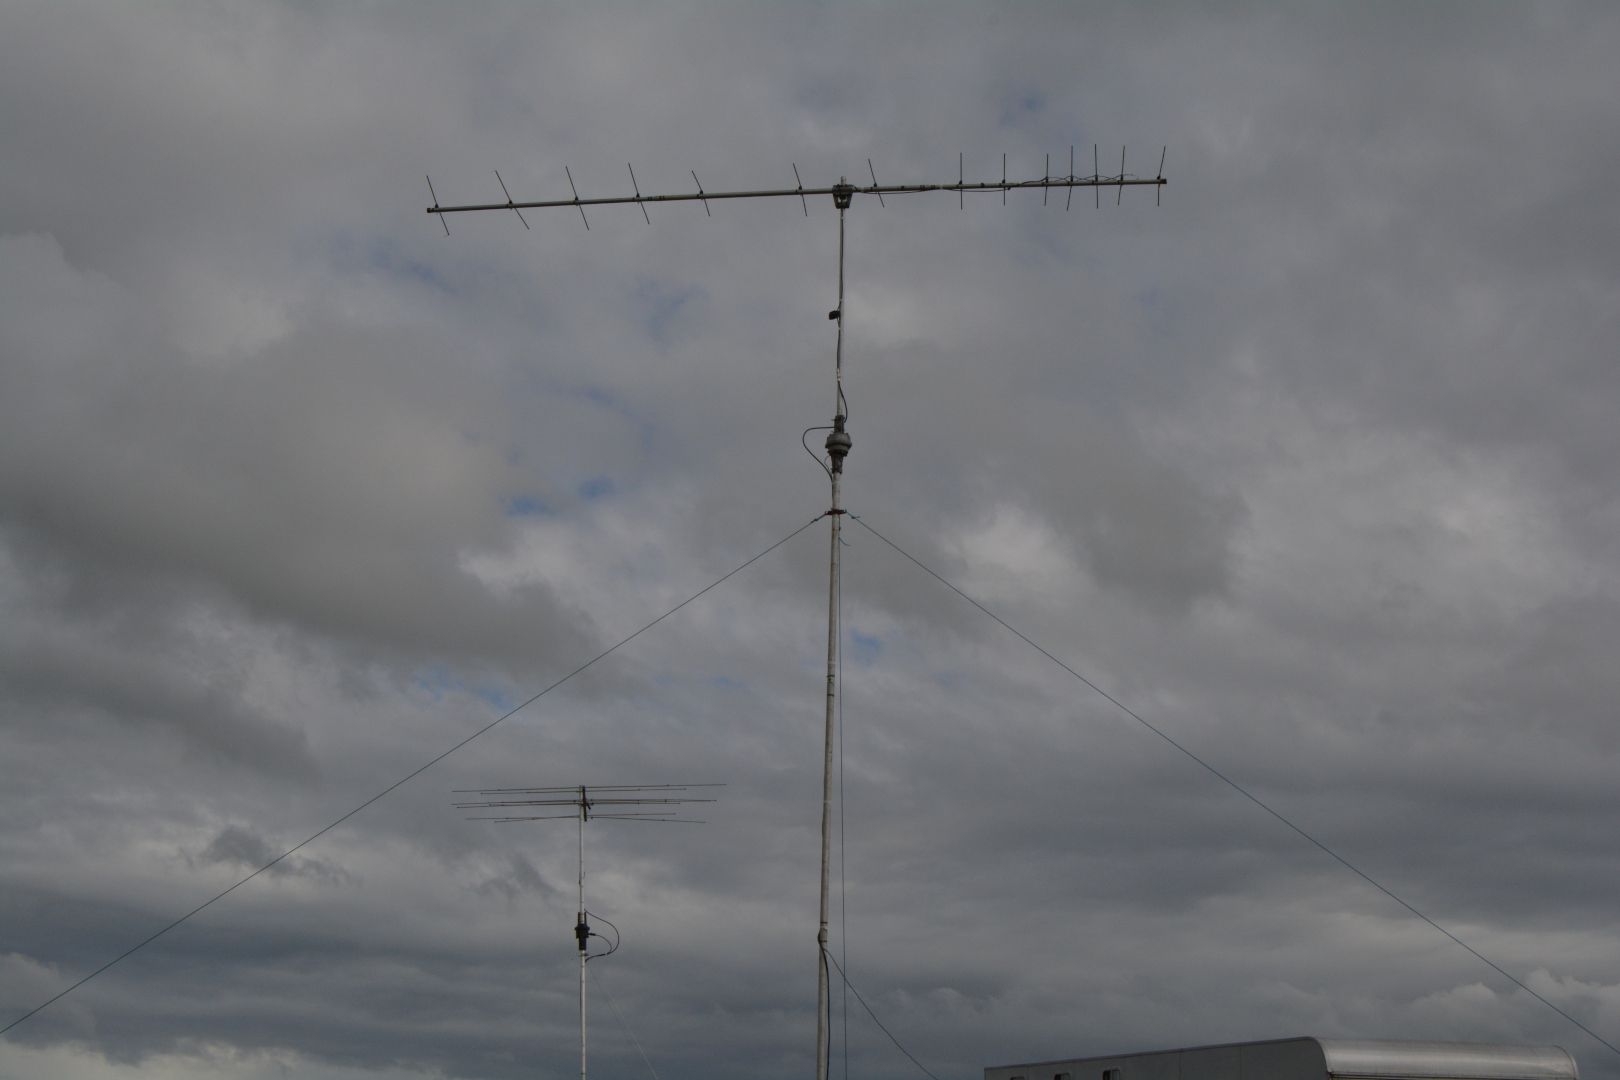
(1235,786)
(411,775)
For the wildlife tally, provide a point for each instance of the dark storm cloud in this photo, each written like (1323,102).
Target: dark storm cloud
(1312,466)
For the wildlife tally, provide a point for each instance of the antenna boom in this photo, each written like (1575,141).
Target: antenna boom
(870,189)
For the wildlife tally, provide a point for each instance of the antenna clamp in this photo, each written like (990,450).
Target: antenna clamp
(842,192)
(838,444)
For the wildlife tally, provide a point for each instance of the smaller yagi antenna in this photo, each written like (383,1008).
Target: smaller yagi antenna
(611,802)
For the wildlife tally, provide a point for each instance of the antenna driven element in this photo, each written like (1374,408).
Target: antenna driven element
(637,188)
(586,803)
(575,190)
(508,195)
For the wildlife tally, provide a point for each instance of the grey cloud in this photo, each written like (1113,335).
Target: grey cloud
(1312,466)
(242,849)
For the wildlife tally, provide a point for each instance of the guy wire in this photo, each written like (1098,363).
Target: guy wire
(878,1022)
(1235,786)
(602,986)
(411,775)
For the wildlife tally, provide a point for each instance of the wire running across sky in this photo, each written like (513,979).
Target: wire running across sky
(412,774)
(1234,785)
(701,592)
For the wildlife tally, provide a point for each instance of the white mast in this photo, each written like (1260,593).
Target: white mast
(582,929)
(838,443)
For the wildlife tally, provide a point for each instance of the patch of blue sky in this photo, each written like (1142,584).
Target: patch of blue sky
(526,506)
(438,683)
(864,648)
(660,308)
(823,93)
(382,256)
(1022,109)
(726,682)
(597,487)
(1160,313)
(605,399)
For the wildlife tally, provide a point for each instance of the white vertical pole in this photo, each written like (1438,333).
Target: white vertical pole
(837,447)
(582,805)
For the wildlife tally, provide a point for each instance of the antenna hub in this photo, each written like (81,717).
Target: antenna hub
(582,931)
(838,444)
(842,192)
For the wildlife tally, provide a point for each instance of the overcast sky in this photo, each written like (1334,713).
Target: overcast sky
(1314,467)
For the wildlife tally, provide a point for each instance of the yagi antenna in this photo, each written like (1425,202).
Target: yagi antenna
(839,191)
(837,447)
(587,803)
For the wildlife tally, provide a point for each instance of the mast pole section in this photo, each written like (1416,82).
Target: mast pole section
(582,928)
(838,444)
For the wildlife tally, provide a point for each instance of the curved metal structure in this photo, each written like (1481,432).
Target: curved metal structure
(1310,1058)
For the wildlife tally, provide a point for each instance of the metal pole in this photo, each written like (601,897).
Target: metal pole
(581,930)
(838,443)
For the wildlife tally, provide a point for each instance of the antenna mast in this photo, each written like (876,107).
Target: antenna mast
(837,447)
(584,803)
